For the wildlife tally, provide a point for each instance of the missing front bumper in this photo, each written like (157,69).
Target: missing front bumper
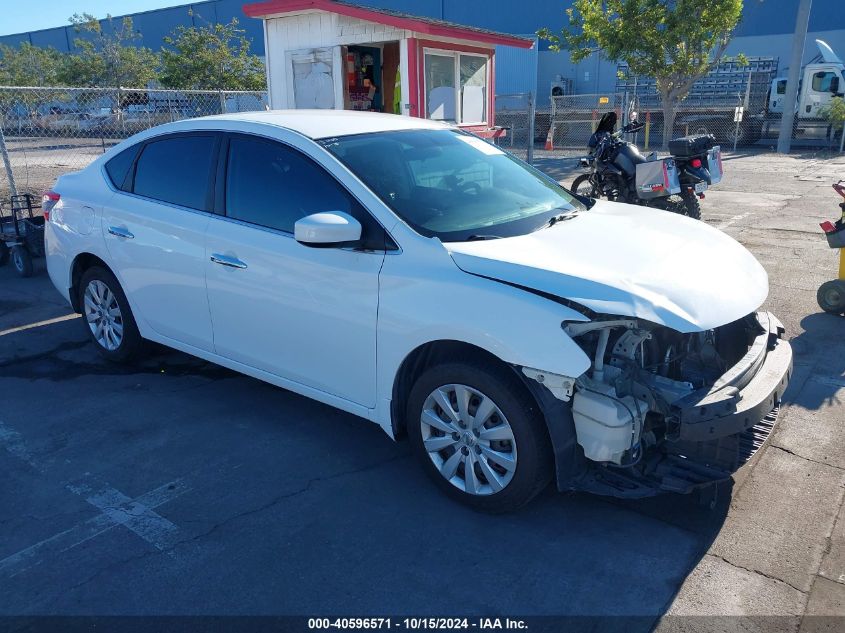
(716,430)
(743,396)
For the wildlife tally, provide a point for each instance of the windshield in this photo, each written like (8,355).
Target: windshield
(452,185)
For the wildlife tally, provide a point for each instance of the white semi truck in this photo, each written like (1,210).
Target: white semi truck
(821,81)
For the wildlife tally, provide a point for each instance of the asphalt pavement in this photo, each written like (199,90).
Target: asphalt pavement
(176,487)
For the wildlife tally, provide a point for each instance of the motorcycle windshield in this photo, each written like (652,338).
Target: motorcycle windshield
(607,123)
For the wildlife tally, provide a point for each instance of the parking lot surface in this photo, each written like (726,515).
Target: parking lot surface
(179,487)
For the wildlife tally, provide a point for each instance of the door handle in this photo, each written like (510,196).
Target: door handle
(231,262)
(120,232)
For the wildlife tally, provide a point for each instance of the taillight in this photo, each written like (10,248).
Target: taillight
(695,162)
(49,200)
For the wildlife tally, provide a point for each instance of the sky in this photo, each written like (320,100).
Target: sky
(17,16)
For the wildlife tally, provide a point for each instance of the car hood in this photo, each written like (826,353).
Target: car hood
(630,261)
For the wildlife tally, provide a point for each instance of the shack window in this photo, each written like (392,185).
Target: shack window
(456,86)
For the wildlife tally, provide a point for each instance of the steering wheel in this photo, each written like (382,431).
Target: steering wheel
(466,187)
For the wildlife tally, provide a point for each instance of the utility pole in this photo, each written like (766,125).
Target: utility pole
(785,134)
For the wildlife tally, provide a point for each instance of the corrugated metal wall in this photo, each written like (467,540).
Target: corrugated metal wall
(516,70)
(764,30)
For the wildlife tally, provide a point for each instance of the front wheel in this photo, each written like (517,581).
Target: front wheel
(479,435)
(583,186)
(831,296)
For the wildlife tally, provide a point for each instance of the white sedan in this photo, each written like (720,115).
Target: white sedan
(421,278)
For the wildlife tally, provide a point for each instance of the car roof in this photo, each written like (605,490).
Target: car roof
(318,124)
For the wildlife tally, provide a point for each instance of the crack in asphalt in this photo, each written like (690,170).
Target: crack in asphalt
(265,506)
(32,358)
(63,369)
(288,495)
(759,573)
(808,459)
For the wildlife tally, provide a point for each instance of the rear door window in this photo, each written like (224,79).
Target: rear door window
(178,170)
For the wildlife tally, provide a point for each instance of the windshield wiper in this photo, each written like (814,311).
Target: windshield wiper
(560,217)
(479,238)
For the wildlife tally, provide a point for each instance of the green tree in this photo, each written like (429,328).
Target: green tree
(26,65)
(107,57)
(211,57)
(834,113)
(29,65)
(675,41)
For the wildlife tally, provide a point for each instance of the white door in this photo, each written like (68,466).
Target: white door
(304,314)
(818,88)
(155,235)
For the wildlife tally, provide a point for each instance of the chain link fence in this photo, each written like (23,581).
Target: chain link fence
(563,130)
(51,131)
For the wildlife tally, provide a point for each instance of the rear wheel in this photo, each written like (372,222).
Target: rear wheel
(831,296)
(583,186)
(691,206)
(107,316)
(22,261)
(682,205)
(479,435)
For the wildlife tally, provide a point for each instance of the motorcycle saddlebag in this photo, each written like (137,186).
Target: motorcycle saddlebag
(714,164)
(694,145)
(657,179)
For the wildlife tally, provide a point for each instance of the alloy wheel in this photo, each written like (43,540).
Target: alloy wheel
(468,439)
(102,312)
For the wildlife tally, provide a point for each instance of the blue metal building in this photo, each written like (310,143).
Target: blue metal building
(766,30)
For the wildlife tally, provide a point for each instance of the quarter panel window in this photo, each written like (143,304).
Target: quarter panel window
(118,167)
(177,170)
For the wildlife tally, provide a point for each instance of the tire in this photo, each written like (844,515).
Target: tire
(831,296)
(4,254)
(682,205)
(510,466)
(741,134)
(22,261)
(589,190)
(691,205)
(114,332)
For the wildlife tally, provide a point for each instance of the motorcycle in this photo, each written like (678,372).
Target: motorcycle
(619,172)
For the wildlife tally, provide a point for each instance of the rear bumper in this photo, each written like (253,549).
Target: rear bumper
(744,395)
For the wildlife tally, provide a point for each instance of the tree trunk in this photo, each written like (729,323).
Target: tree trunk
(668,120)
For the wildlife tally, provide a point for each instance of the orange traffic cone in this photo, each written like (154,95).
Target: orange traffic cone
(550,145)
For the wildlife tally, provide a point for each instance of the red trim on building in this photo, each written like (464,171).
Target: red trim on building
(410,23)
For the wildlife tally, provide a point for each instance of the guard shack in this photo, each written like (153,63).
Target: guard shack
(335,55)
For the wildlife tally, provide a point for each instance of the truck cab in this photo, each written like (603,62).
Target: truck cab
(820,82)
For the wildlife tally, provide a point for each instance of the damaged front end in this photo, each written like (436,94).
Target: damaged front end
(662,411)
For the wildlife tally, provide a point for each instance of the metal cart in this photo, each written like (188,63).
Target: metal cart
(21,233)
(831,294)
